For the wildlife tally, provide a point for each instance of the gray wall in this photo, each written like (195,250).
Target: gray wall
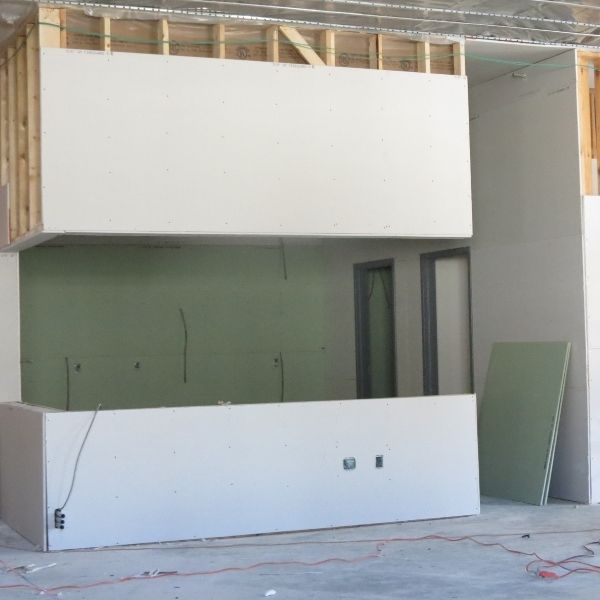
(527,265)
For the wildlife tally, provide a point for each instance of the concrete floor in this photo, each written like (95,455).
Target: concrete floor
(399,569)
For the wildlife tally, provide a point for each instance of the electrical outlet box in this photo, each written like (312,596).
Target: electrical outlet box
(59,519)
(349,463)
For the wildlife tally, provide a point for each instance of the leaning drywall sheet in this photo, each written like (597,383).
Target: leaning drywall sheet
(519,419)
(591,227)
(22,477)
(10,344)
(182,473)
(191,145)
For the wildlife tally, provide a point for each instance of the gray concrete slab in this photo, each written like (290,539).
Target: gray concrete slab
(345,564)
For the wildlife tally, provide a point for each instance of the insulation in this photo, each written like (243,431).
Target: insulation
(537,21)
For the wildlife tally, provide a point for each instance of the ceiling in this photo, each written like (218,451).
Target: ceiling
(574,22)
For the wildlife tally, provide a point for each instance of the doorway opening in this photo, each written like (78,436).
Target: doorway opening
(447,327)
(375,329)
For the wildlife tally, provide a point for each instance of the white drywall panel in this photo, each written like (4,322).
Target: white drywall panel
(182,473)
(526,254)
(191,145)
(22,471)
(591,228)
(453,315)
(10,345)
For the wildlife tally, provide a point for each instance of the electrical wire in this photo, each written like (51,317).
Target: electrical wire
(68,383)
(570,565)
(282,374)
(283,258)
(185,344)
(75,469)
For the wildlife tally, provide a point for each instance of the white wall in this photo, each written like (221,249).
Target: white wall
(137,143)
(591,213)
(182,473)
(22,471)
(10,345)
(527,264)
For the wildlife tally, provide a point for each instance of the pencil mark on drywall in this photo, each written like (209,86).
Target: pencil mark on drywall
(185,344)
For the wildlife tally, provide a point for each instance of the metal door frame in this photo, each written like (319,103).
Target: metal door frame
(429,316)
(363,382)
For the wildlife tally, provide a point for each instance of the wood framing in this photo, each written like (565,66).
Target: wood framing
(3,120)
(219,41)
(584,62)
(13,171)
(458,52)
(329,47)
(22,137)
(302,46)
(243,41)
(33,126)
(424,57)
(105,41)
(164,36)
(596,123)
(273,44)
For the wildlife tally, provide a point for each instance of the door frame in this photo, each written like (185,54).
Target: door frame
(429,316)
(363,383)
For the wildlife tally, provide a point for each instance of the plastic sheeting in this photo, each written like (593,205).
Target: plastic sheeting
(538,21)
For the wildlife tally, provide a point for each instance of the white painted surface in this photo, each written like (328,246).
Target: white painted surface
(191,145)
(22,478)
(453,325)
(591,223)
(169,474)
(10,337)
(526,255)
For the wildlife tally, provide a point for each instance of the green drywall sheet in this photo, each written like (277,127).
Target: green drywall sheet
(107,308)
(519,419)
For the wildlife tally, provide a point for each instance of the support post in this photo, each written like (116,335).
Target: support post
(458,51)
(273,44)
(219,41)
(164,36)
(49,21)
(424,57)
(329,43)
(106,39)
(22,136)
(33,129)
(585,133)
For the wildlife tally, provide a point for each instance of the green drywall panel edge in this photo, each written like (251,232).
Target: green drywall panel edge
(114,312)
(519,418)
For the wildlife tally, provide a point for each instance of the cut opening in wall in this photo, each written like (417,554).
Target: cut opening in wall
(216,321)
